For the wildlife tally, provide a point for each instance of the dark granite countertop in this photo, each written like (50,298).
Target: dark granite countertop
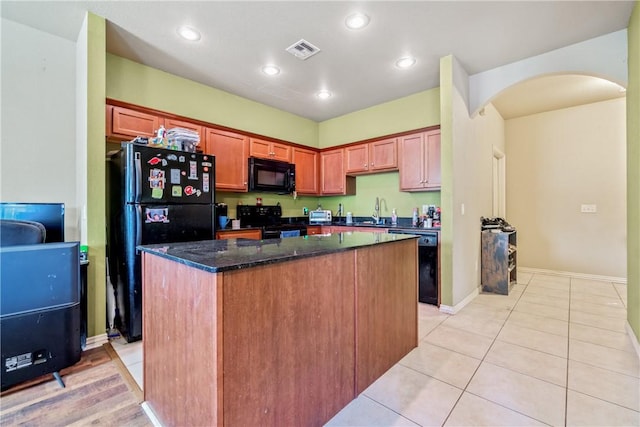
(223,255)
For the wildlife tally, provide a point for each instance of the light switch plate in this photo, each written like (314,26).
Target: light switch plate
(589,208)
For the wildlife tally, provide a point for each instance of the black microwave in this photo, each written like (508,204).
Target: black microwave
(271,176)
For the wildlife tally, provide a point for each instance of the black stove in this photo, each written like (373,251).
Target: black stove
(269,218)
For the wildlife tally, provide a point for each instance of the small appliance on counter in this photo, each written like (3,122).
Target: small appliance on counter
(320,217)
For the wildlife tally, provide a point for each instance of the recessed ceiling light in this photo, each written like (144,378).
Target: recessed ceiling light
(405,62)
(323,94)
(189,33)
(270,70)
(356,21)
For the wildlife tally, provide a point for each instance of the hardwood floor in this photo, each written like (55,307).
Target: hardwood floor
(99,390)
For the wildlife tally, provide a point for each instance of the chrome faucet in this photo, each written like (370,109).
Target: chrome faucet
(376,213)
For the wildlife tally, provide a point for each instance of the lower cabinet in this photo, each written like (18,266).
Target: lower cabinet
(314,229)
(347,228)
(239,234)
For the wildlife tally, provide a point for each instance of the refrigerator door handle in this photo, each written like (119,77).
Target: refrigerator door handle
(138,225)
(137,182)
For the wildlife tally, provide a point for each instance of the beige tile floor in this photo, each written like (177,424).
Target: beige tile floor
(552,352)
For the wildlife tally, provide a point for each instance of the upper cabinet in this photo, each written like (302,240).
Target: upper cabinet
(419,162)
(231,151)
(333,177)
(124,123)
(269,150)
(377,156)
(306,162)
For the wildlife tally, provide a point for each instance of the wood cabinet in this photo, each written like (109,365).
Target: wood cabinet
(306,162)
(333,177)
(231,151)
(245,233)
(377,156)
(419,161)
(498,261)
(314,229)
(262,350)
(348,228)
(125,123)
(269,150)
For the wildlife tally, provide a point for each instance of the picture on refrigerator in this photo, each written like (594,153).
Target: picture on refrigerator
(154,195)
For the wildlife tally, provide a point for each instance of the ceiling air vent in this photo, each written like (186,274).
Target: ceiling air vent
(302,49)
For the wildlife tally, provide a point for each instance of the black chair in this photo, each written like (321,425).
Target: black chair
(40,315)
(18,232)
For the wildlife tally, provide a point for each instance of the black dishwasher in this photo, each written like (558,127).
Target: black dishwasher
(427,264)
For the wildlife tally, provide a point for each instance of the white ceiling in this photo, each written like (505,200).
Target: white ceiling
(239,37)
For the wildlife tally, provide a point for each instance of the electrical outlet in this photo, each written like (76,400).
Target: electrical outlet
(589,208)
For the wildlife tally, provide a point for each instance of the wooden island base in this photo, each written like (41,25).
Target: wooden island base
(281,344)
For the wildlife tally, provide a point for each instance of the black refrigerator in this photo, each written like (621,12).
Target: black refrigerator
(154,195)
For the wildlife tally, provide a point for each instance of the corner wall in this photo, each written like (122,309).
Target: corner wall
(633,174)
(467,162)
(93,138)
(38,162)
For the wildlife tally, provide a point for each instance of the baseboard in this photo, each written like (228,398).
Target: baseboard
(96,341)
(456,308)
(150,414)
(634,339)
(614,279)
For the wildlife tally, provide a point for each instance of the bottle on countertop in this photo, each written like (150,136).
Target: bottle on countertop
(414,220)
(394,217)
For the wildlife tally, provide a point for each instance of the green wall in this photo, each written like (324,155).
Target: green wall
(96,238)
(415,111)
(141,85)
(633,173)
(138,84)
(446,167)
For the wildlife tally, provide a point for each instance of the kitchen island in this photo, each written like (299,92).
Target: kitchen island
(274,332)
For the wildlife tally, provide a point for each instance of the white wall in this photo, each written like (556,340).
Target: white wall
(604,56)
(467,184)
(37,144)
(557,161)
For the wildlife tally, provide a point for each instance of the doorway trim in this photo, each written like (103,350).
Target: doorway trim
(498,184)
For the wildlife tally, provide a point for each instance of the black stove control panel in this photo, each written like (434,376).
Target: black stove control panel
(259,216)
